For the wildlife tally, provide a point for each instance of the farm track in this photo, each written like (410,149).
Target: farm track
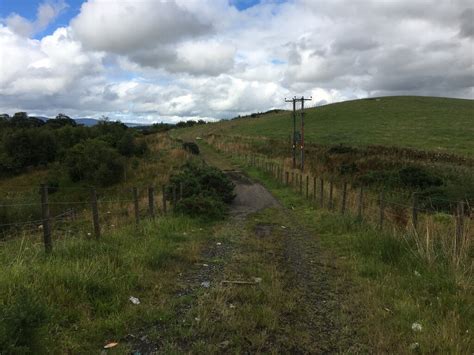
(325,319)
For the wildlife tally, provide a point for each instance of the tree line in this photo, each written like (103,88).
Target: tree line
(94,154)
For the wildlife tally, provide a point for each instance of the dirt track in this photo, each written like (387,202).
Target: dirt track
(328,326)
(324,287)
(250,197)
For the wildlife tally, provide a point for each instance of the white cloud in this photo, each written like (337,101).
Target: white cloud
(45,14)
(183,59)
(199,57)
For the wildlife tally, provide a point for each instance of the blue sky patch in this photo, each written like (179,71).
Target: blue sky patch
(242,5)
(278,61)
(28,9)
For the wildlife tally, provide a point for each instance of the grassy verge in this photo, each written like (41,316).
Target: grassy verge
(397,288)
(77,299)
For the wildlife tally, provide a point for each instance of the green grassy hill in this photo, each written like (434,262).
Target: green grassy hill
(429,123)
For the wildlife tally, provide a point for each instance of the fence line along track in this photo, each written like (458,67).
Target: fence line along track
(420,224)
(95,206)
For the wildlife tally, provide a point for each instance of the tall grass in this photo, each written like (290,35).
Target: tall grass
(76,299)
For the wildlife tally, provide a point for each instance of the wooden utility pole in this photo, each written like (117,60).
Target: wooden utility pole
(301,112)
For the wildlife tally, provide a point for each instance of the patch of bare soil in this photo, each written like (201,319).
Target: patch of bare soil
(250,196)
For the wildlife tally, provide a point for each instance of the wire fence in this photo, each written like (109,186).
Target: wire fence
(90,217)
(432,232)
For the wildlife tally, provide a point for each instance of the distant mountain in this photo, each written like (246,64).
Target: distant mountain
(86,121)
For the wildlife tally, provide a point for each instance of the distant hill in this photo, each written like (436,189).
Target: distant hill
(86,121)
(430,123)
(89,122)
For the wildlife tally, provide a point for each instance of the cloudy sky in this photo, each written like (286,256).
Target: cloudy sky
(152,61)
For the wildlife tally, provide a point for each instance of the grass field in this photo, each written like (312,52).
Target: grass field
(428,123)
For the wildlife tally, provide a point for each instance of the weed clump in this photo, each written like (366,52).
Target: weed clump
(205,191)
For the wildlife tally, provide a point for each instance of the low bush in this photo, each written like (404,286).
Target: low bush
(417,177)
(191,147)
(202,205)
(205,190)
(411,178)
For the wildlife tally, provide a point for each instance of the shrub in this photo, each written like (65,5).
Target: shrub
(417,177)
(191,147)
(94,161)
(206,190)
(202,205)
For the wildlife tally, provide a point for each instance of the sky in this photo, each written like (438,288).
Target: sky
(166,61)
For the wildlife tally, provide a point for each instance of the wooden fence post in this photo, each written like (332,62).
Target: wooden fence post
(415,211)
(344,198)
(174,197)
(151,201)
(307,186)
(287,177)
(459,227)
(301,184)
(321,192)
(331,188)
(164,198)
(95,213)
(180,191)
(361,202)
(135,204)
(314,188)
(48,245)
(382,209)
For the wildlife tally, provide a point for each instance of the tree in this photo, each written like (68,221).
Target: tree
(30,147)
(21,120)
(94,161)
(61,120)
